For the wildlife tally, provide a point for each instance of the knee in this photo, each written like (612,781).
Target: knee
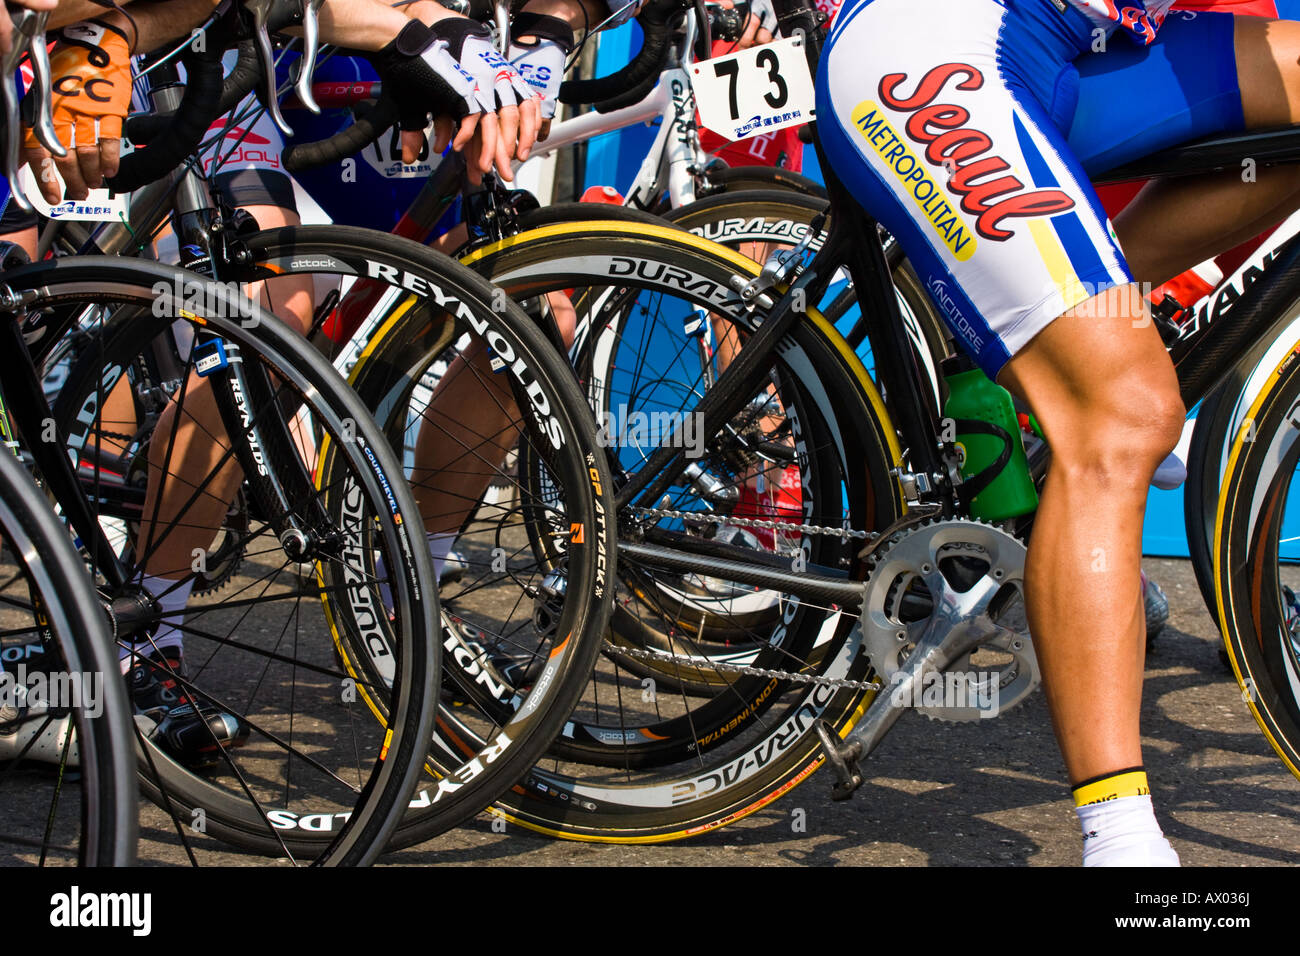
(1122,439)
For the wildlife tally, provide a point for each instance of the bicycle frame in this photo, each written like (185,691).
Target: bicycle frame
(675,159)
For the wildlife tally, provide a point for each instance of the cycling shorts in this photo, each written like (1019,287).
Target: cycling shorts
(244,147)
(969,129)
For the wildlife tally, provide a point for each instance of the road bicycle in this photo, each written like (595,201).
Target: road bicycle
(345,604)
(915,564)
(513,629)
(78,804)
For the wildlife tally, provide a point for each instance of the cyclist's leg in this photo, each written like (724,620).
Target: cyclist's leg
(469,427)
(1015,267)
(1110,422)
(263,190)
(184,461)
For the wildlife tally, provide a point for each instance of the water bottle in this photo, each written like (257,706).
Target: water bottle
(992,455)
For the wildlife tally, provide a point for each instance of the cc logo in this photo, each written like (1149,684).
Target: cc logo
(71,85)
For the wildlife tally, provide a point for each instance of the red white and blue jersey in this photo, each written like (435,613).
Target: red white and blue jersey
(1141,18)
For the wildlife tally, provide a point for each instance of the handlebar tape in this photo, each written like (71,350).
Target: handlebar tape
(611,92)
(367,128)
(185,128)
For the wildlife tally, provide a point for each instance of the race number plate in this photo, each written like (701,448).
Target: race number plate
(755,91)
(99,206)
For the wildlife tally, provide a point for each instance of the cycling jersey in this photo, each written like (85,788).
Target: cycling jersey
(969,129)
(1141,18)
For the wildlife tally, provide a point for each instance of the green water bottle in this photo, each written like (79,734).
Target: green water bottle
(987,429)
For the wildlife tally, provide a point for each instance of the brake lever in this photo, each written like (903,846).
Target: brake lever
(29,33)
(501,13)
(261,11)
(310,45)
(43,88)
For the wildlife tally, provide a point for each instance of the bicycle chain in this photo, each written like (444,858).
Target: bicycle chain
(845,533)
(650,654)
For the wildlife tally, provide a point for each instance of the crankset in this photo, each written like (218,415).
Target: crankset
(939,596)
(905,589)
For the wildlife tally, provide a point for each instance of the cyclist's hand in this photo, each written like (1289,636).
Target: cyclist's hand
(538,51)
(426,78)
(511,109)
(451,70)
(760,22)
(91,70)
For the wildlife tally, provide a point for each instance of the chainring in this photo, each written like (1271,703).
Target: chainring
(911,575)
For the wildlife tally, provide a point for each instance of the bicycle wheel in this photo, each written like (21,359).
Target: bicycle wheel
(78,805)
(1218,420)
(754,221)
(1255,584)
(466,387)
(323,605)
(711,739)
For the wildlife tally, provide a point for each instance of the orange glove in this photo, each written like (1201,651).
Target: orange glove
(91,67)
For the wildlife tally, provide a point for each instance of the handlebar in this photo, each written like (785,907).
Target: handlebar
(184,128)
(367,128)
(658,19)
(143,128)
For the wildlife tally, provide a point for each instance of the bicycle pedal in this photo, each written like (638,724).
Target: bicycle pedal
(842,759)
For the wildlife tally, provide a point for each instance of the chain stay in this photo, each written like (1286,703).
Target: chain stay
(650,654)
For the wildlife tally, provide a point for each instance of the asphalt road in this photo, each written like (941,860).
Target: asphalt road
(991,793)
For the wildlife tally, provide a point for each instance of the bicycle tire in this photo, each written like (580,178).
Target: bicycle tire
(368,776)
(65,610)
(1257,618)
(559,797)
(483,746)
(1220,416)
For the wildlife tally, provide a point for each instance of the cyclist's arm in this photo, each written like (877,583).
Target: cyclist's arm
(579,14)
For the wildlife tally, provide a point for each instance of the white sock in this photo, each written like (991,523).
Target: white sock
(173,603)
(439,545)
(1124,832)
